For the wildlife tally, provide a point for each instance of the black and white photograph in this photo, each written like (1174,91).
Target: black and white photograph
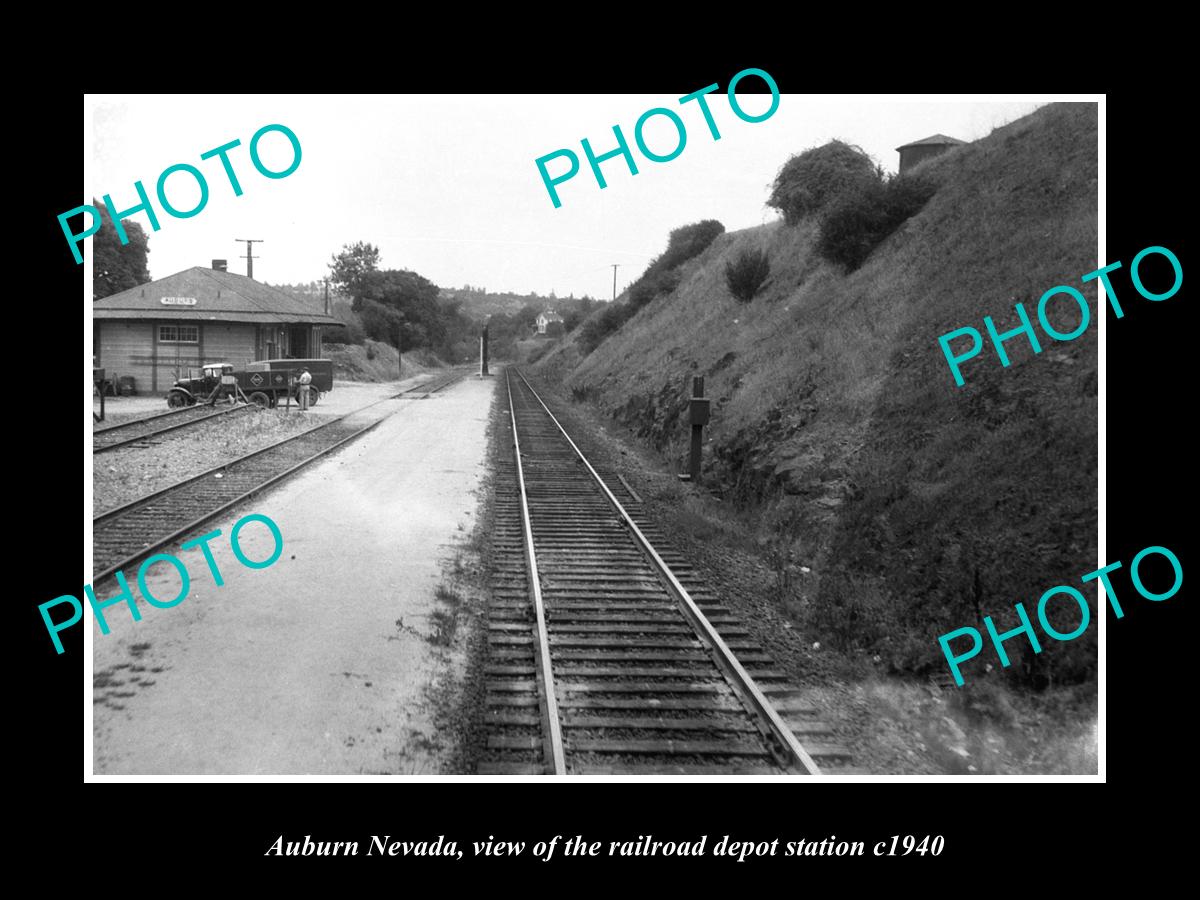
(721,433)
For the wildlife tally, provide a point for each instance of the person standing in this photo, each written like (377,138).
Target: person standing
(304,381)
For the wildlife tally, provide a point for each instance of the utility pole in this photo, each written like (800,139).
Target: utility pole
(250,257)
(614,268)
(326,296)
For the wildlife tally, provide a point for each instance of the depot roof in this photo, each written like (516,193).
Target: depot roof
(209,295)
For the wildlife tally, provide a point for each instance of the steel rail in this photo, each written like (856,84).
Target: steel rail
(557,756)
(211,514)
(125,507)
(159,542)
(137,501)
(132,422)
(796,754)
(104,448)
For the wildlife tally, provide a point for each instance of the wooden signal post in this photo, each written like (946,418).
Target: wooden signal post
(698,415)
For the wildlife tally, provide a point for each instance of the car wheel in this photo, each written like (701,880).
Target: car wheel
(177,399)
(261,400)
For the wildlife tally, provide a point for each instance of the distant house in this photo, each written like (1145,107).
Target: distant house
(918,151)
(545,318)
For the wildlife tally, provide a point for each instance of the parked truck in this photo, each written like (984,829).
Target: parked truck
(265,382)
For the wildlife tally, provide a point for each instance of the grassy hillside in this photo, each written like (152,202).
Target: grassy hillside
(918,505)
(375,361)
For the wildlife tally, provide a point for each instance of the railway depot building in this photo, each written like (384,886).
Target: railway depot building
(156,331)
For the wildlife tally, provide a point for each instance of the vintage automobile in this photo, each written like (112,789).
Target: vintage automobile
(264,383)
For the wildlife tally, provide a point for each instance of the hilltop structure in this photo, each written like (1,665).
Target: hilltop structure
(919,151)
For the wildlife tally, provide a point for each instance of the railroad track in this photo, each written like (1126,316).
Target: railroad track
(138,430)
(126,533)
(606,651)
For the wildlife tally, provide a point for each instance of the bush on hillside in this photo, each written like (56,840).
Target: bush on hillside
(646,288)
(689,242)
(601,325)
(812,180)
(352,331)
(683,244)
(661,277)
(859,222)
(747,274)
(641,293)
(594,331)
(575,311)
(538,352)
(851,229)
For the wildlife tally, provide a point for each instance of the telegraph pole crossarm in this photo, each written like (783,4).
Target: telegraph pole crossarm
(250,257)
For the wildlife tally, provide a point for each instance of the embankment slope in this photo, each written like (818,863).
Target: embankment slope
(918,504)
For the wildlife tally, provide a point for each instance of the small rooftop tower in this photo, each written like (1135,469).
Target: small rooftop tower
(919,151)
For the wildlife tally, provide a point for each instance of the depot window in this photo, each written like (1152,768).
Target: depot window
(178,334)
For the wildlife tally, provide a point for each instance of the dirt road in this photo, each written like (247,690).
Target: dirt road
(324,662)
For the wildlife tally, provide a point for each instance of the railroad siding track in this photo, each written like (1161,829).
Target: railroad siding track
(638,687)
(138,430)
(127,533)
(122,535)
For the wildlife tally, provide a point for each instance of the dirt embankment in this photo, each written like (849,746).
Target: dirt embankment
(375,361)
(892,724)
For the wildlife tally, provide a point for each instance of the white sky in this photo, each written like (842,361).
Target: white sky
(447,185)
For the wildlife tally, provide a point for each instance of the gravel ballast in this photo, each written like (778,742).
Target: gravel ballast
(126,474)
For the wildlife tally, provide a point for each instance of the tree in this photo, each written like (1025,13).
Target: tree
(415,299)
(581,309)
(349,270)
(381,322)
(819,177)
(116,266)
(858,223)
(527,314)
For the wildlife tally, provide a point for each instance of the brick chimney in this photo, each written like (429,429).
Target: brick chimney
(220,265)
